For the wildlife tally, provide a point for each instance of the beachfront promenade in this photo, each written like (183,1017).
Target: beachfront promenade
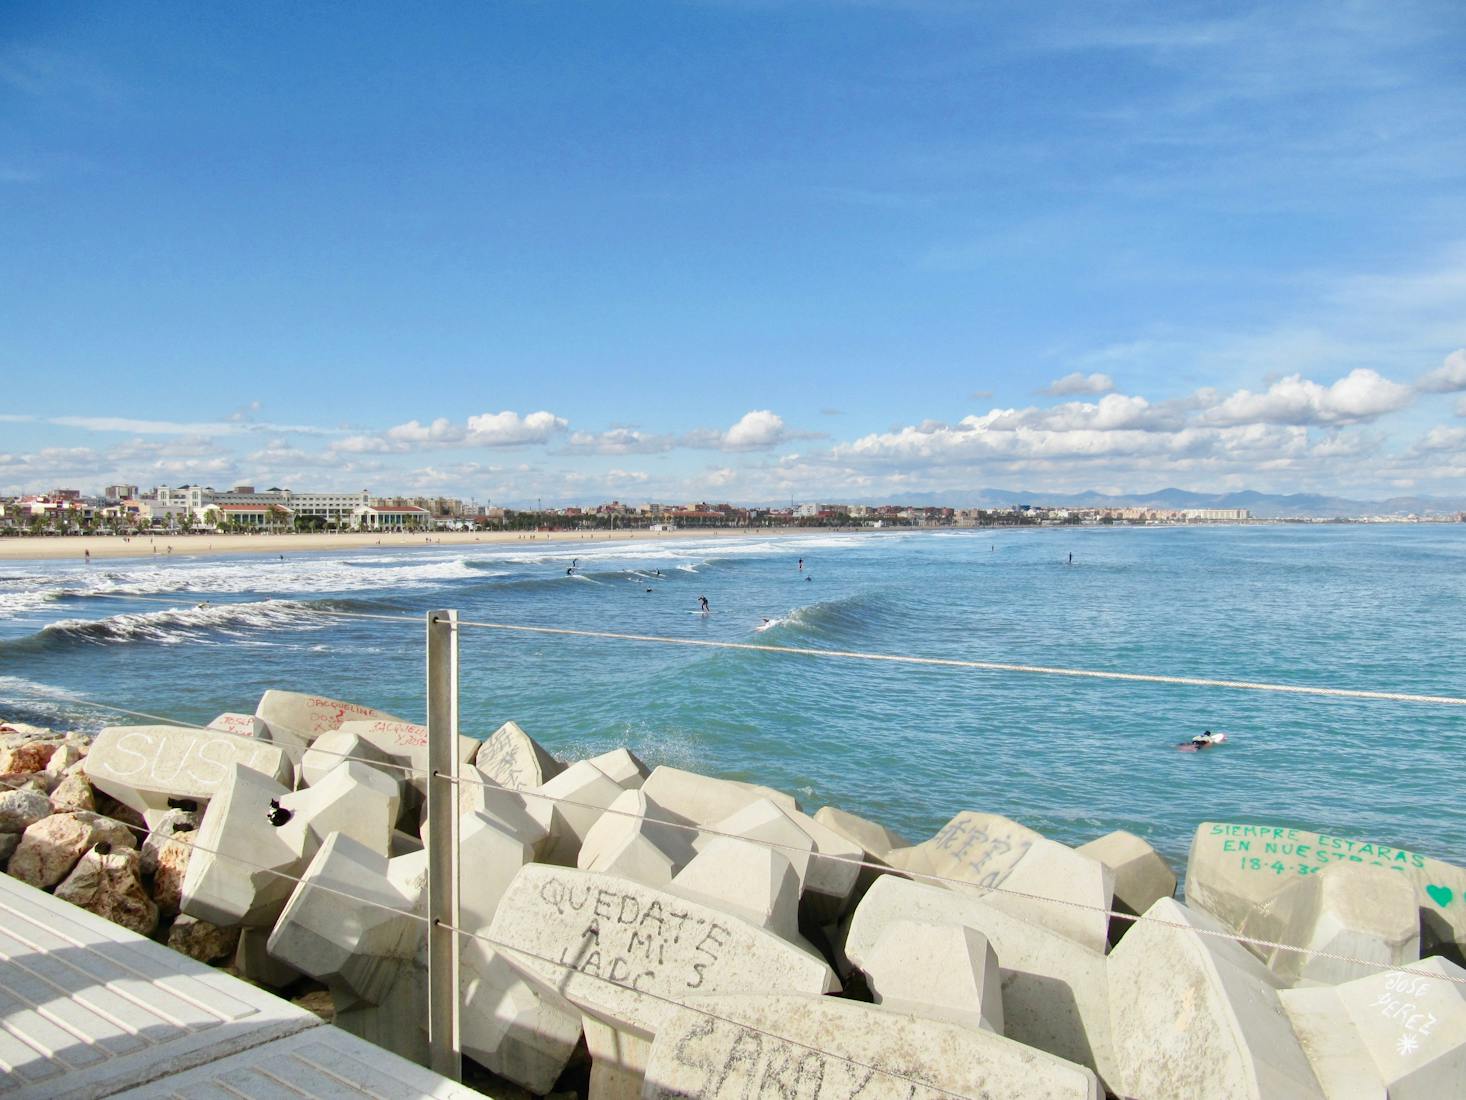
(90,1009)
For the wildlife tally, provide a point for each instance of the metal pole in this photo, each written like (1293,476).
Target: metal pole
(445,1055)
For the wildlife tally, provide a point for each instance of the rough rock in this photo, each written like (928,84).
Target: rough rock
(8,843)
(67,755)
(161,826)
(105,881)
(514,759)
(146,766)
(198,939)
(1196,1015)
(20,809)
(750,881)
(167,860)
(661,946)
(939,972)
(1142,876)
(50,848)
(733,1047)
(1055,996)
(26,757)
(72,794)
(1400,1034)
(1346,909)
(1233,868)
(875,839)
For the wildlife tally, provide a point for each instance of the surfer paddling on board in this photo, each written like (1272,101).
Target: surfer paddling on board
(702,604)
(1202,741)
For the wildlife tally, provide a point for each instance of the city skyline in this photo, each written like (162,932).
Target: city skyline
(736,251)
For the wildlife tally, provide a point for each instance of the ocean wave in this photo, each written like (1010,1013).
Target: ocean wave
(202,624)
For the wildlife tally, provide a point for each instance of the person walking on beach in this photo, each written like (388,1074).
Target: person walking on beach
(702,603)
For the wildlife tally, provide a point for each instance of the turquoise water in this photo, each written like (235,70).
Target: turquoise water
(1376,608)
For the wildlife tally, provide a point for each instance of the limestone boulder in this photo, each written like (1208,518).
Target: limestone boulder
(624,953)
(939,972)
(72,794)
(106,882)
(514,759)
(1233,868)
(733,1047)
(146,766)
(22,808)
(1344,912)
(1054,991)
(167,858)
(25,757)
(11,841)
(68,754)
(198,939)
(51,847)
(1142,875)
(1396,1033)
(1194,1014)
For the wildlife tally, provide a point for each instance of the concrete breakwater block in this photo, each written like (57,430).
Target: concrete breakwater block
(937,971)
(623,767)
(145,766)
(1400,1034)
(241,725)
(1196,1015)
(702,799)
(1233,868)
(404,744)
(625,953)
(1142,875)
(579,796)
(732,1047)
(353,942)
(1054,992)
(525,1034)
(1055,886)
(753,882)
(627,841)
(874,838)
(514,759)
(1346,909)
(973,847)
(302,718)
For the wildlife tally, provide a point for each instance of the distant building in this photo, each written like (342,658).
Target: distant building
(1225,515)
(390,518)
(120,492)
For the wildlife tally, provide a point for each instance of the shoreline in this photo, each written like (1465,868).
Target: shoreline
(76,547)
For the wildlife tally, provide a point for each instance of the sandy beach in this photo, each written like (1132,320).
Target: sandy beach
(31,547)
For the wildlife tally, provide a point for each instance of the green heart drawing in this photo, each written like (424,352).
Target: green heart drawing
(1441,895)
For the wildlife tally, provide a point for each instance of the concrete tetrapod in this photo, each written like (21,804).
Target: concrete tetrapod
(735,1046)
(1142,876)
(1196,1015)
(514,759)
(1346,909)
(1395,1034)
(1233,868)
(145,766)
(1055,997)
(750,881)
(354,946)
(939,972)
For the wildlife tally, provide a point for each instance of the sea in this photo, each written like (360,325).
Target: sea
(1361,607)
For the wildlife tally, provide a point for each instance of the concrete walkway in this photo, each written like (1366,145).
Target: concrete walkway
(89,1009)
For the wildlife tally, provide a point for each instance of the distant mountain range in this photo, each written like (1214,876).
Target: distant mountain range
(1261,505)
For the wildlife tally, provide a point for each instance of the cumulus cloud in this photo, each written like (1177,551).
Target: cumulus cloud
(1449,377)
(1077,383)
(759,430)
(1361,395)
(501,429)
(1443,438)
(619,441)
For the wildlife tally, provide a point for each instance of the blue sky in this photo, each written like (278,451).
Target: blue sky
(739,250)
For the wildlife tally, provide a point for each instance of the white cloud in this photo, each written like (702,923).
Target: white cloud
(501,429)
(1359,396)
(755,430)
(1449,377)
(508,429)
(1077,383)
(620,441)
(1443,438)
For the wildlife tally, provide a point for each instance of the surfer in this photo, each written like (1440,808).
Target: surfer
(1204,740)
(801,565)
(702,604)
(1071,557)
